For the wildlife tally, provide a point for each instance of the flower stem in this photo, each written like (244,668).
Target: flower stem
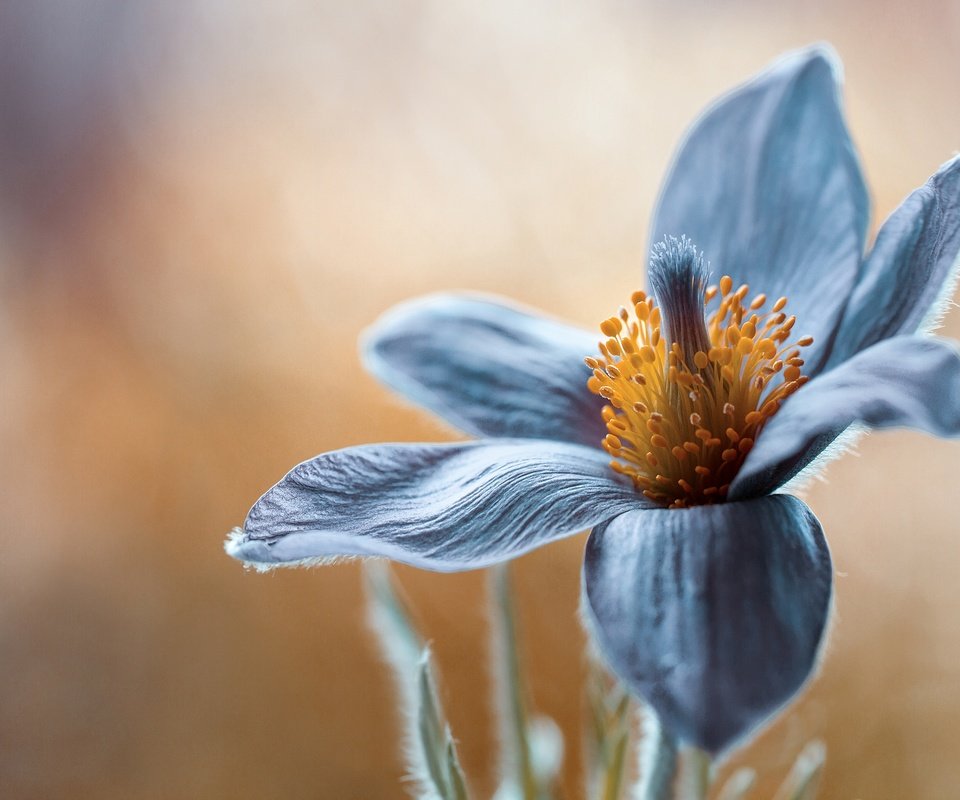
(516,761)
(658,760)
(695,776)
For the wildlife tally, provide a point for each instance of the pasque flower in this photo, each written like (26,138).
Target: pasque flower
(707,590)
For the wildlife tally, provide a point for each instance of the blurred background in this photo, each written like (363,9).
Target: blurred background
(201,206)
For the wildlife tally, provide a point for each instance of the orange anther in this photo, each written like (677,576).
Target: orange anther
(664,397)
(611,327)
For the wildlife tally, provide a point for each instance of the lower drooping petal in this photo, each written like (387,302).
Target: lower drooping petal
(445,507)
(489,368)
(713,614)
(911,265)
(906,381)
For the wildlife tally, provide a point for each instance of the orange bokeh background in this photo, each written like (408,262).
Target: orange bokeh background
(203,204)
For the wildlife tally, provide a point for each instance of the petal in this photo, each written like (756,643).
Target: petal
(768,187)
(490,369)
(907,381)
(444,507)
(910,269)
(713,614)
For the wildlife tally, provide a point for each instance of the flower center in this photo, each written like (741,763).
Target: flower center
(687,395)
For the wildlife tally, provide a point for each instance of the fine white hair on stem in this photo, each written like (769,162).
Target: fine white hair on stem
(430,753)
(656,757)
(530,749)
(401,647)
(515,770)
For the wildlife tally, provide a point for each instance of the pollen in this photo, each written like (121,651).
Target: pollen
(686,401)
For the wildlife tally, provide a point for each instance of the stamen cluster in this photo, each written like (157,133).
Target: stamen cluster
(681,424)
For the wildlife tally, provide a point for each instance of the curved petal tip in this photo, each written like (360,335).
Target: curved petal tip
(441,507)
(295,549)
(768,185)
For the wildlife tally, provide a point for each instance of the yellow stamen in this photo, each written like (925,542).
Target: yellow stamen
(665,403)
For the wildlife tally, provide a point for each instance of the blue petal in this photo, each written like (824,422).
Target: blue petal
(768,187)
(910,269)
(444,507)
(713,614)
(488,368)
(907,381)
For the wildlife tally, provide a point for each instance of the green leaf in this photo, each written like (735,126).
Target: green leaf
(530,757)
(429,746)
(458,786)
(612,777)
(608,733)
(694,775)
(430,727)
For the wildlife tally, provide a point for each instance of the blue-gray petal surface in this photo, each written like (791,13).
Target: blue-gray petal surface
(768,186)
(908,270)
(906,381)
(713,614)
(489,368)
(444,507)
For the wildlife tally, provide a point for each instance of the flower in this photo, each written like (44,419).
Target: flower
(707,591)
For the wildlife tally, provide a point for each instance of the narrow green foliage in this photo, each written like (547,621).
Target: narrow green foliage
(804,779)
(694,775)
(613,775)
(430,749)
(530,751)
(608,734)
(738,784)
(429,726)
(458,786)
(392,621)
(657,760)
(439,749)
